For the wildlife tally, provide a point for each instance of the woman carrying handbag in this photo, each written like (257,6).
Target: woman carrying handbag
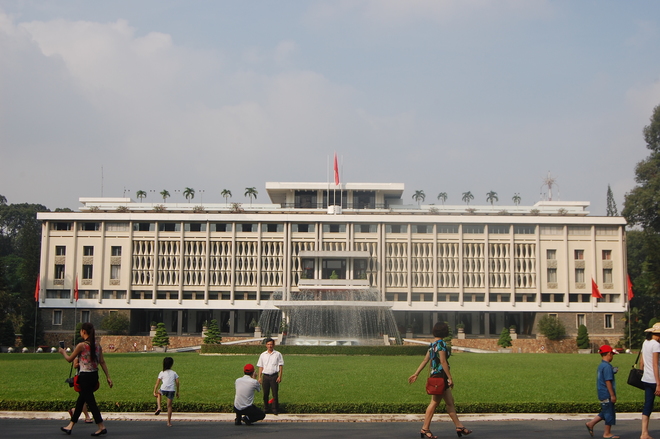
(438,354)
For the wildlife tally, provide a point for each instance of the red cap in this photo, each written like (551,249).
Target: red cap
(606,348)
(248,368)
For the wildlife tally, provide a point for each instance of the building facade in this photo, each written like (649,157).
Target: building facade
(487,267)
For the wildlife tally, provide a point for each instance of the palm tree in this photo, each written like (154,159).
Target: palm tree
(442,196)
(226,193)
(141,195)
(165,194)
(419,196)
(189,193)
(251,192)
(467,197)
(491,197)
(516,198)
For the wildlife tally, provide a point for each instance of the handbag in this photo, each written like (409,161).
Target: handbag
(435,385)
(635,375)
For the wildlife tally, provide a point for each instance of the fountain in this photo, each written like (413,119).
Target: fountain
(332,317)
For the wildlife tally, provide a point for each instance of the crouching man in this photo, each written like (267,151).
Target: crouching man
(244,406)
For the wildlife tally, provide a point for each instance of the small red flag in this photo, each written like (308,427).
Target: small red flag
(336,171)
(594,290)
(630,289)
(37,288)
(75,290)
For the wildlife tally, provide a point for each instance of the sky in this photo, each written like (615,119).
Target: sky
(108,98)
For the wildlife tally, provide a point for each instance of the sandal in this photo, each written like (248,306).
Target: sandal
(427,434)
(591,430)
(89,421)
(462,431)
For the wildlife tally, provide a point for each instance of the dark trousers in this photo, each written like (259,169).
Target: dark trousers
(253,413)
(87,382)
(269,383)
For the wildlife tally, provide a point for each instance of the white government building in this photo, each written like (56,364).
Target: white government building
(487,267)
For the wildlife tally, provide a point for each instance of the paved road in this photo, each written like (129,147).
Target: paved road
(527,429)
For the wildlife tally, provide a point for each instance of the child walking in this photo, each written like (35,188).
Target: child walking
(170,386)
(606,388)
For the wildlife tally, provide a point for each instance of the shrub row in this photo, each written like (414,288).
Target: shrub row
(327,408)
(317,350)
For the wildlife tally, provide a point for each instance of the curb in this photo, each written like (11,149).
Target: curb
(229,417)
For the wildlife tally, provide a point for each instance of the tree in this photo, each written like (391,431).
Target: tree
(189,193)
(491,197)
(251,193)
(116,324)
(582,339)
(551,327)
(516,198)
(161,338)
(7,333)
(611,204)
(226,193)
(419,196)
(505,338)
(141,195)
(213,334)
(165,194)
(467,197)
(443,197)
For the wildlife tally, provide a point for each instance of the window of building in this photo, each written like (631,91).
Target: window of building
(552,230)
(60,250)
(169,227)
(307,269)
(221,227)
(551,254)
(447,228)
(334,228)
(116,227)
(84,317)
(87,271)
(580,320)
(115,272)
(607,275)
(396,228)
(305,199)
(498,229)
(60,226)
(579,254)
(57,317)
(115,250)
(607,255)
(473,228)
(552,275)
(90,226)
(421,228)
(360,268)
(366,228)
(195,227)
(334,267)
(144,227)
(609,321)
(364,200)
(274,228)
(579,275)
(246,227)
(607,230)
(88,250)
(524,230)
(59,271)
(579,230)
(302,228)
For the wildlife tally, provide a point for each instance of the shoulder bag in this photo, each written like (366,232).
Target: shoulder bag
(635,375)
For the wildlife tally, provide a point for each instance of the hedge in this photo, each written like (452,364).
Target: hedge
(325,408)
(317,350)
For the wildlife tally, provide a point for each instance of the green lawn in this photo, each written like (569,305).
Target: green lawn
(507,381)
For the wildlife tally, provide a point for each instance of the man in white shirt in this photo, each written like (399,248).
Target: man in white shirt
(244,406)
(270,375)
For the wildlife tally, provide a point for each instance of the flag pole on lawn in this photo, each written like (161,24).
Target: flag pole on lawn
(36,309)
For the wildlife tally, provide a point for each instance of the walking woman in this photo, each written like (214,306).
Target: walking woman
(90,357)
(438,354)
(649,361)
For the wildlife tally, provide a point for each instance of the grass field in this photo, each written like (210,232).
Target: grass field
(504,379)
